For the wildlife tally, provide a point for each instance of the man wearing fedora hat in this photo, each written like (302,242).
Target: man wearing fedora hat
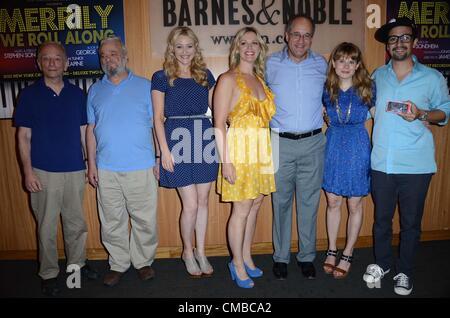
(402,158)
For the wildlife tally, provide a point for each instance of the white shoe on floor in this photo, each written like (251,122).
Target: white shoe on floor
(402,285)
(374,274)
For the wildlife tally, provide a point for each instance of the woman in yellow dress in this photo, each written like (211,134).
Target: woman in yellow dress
(242,100)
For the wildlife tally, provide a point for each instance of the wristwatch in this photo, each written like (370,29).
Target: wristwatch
(424,116)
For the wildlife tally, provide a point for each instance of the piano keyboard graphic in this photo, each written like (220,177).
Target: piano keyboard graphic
(10,91)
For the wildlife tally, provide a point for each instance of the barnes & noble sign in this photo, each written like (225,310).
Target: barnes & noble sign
(216,21)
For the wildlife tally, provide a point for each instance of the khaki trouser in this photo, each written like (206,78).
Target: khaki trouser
(62,193)
(122,196)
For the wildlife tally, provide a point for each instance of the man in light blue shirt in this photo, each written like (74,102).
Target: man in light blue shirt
(120,163)
(403,149)
(296,75)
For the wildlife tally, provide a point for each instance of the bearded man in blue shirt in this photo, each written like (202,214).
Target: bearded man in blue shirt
(402,158)
(121,163)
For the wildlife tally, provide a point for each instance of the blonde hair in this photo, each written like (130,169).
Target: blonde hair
(170,66)
(235,59)
(361,79)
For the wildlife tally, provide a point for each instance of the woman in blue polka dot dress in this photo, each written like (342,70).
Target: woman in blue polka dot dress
(181,95)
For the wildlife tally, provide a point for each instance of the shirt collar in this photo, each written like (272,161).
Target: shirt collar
(415,66)
(285,55)
(41,82)
(106,80)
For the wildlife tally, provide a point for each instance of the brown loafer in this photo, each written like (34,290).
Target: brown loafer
(112,278)
(146,273)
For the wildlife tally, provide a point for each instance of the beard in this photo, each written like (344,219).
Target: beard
(400,56)
(110,71)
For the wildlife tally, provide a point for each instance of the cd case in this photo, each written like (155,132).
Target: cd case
(398,107)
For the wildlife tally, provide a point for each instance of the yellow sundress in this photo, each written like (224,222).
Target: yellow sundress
(249,146)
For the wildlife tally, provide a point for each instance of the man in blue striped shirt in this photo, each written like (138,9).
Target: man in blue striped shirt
(403,149)
(296,75)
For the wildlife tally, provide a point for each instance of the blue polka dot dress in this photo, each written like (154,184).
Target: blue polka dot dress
(347,152)
(190,140)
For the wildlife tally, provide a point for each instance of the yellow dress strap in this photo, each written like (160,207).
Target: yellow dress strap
(241,83)
(246,90)
(269,94)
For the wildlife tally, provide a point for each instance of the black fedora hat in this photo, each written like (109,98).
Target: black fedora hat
(382,33)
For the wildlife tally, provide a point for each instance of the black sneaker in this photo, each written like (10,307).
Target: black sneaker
(49,287)
(308,269)
(402,285)
(89,273)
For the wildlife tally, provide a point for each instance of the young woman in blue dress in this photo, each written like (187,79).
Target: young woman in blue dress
(348,96)
(181,95)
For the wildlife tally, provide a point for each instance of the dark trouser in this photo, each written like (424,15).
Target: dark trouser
(410,190)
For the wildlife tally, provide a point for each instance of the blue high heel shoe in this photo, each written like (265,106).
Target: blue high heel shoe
(246,283)
(253,273)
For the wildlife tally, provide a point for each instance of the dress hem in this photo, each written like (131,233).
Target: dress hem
(347,194)
(242,199)
(185,185)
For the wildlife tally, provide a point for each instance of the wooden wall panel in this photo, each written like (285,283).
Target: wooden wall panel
(18,229)
(16,221)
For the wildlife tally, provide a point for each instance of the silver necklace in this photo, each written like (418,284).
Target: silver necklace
(338,111)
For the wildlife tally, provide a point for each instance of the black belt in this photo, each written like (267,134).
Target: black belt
(300,136)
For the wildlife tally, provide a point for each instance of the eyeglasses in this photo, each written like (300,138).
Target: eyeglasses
(298,35)
(404,38)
